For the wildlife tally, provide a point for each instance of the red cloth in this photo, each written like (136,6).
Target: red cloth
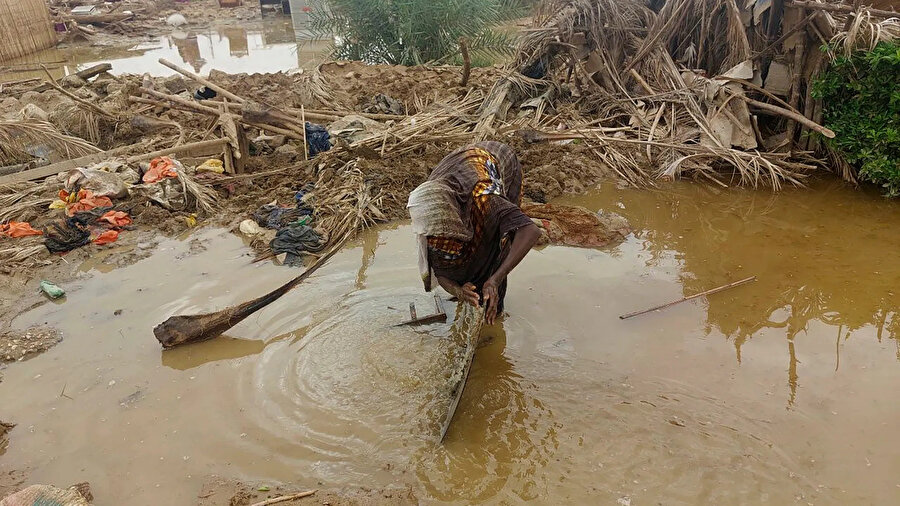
(116,218)
(107,237)
(18,229)
(160,168)
(84,201)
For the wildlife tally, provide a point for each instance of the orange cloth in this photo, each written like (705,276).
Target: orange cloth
(116,218)
(160,168)
(85,200)
(107,237)
(18,229)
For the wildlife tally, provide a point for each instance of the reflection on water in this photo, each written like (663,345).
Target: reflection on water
(819,257)
(275,45)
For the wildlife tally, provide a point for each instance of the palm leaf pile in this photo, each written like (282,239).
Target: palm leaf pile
(715,89)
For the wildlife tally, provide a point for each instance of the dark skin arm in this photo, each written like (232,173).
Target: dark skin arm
(465,293)
(525,238)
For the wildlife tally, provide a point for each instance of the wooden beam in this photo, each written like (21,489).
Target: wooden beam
(55,168)
(94,19)
(840,8)
(212,146)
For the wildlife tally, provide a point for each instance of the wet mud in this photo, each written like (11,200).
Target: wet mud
(773,392)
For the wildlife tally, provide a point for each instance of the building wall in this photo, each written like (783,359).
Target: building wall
(25,27)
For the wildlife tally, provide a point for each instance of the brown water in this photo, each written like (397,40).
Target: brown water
(779,392)
(272,45)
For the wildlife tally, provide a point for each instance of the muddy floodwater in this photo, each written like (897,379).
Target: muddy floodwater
(271,45)
(778,392)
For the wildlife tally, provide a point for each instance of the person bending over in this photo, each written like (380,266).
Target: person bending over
(470,230)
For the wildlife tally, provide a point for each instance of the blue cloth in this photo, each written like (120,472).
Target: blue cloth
(317,138)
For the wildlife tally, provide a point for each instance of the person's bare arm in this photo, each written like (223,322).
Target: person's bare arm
(465,293)
(525,238)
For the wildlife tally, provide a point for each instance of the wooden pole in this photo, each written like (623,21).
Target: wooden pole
(202,80)
(184,148)
(284,498)
(679,301)
(305,142)
(467,62)
(841,8)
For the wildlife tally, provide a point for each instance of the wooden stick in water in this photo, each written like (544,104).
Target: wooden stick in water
(679,301)
(285,498)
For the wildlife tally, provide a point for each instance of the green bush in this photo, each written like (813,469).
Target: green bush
(861,101)
(411,32)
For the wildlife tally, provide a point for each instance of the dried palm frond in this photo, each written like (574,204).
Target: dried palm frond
(24,252)
(24,201)
(202,197)
(865,33)
(17,137)
(314,86)
(78,121)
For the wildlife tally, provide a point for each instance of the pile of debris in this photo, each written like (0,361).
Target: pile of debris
(598,89)
(80,20)
(661,89)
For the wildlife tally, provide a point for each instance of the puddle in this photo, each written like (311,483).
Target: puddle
(273,45)
(775,392)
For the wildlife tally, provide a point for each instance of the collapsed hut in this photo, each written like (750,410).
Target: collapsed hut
(715,89)
(25,28)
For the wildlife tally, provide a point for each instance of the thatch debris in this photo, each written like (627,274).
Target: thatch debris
(689,86)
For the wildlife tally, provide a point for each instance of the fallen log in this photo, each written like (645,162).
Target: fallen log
(94,71)
(785,113)
(177,330)
(100,19)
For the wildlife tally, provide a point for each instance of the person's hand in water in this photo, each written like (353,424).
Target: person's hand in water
(490,300)
(467,293)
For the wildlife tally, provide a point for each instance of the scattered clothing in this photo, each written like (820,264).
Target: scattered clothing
(317,138)
(116,218)
(204,93)
(16,229)
(52,291)
(383,104)
(296,239)
(212,165)
(160,168)
(464,214)
(107,237)
(84,200)
(275,217)
(85,218)
(302,206)
(65,236)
